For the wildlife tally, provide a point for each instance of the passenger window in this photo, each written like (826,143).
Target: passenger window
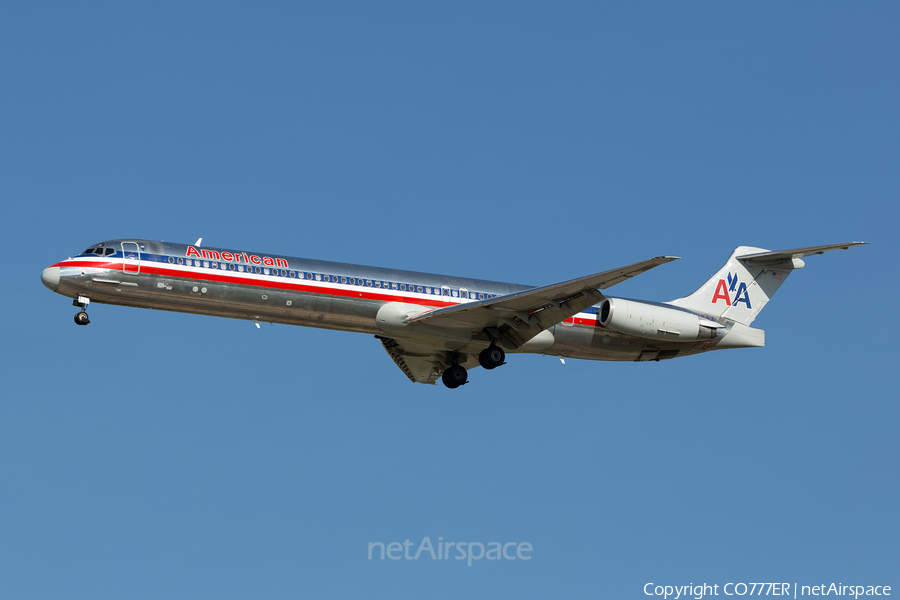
(171,260)
(232,267)
(206,263)
(258,270)
(180,261)
(403,287)
(378,284)
(343,280)
(394,286)
(368,283)
(455,293)
(240,268)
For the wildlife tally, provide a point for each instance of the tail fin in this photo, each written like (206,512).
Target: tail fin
(749,279)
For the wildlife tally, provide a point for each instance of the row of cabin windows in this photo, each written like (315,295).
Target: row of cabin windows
(387,285)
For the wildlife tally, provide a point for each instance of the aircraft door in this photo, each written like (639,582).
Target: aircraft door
(131,261)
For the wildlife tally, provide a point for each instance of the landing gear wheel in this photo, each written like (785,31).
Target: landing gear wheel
(491,358)
(82,318)
(455,376)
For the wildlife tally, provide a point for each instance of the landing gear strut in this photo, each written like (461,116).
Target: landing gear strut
(82,317)
(492,357)
(455,376)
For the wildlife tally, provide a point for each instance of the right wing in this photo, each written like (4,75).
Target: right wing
(419,366)
(419,363)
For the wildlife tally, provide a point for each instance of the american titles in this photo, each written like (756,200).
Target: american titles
(238,257)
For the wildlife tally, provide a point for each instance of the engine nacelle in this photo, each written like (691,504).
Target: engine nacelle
(391,319)
(655,322)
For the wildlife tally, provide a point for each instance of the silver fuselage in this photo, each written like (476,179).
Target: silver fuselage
(311,293)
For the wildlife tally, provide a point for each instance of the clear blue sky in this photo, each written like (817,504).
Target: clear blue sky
(159,455)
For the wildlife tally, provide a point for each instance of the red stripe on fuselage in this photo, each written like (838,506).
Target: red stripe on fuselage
(295,285)
(367,293)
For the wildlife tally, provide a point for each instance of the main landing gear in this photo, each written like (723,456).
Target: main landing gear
(455,376)
(489,358)
(82,317)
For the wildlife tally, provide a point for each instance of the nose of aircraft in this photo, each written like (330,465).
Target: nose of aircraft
(50,278)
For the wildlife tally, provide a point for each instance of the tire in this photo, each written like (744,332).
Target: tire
(82,318)
(491,358)
(455,376)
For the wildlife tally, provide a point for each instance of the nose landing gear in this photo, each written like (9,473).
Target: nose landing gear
(82,317)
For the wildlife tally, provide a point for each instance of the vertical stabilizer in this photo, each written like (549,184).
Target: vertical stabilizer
(742,287)
(748,280)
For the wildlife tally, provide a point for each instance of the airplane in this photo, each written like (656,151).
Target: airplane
(436,326)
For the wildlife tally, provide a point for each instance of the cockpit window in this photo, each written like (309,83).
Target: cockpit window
(88,251)
(110,251)
(99,251)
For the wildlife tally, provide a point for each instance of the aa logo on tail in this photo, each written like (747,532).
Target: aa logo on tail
(722,290)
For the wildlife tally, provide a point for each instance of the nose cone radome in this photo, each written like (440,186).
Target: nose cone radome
(50,278)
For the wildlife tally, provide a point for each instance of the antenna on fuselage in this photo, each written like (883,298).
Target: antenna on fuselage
(197,243)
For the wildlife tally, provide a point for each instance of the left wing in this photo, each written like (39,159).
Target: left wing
(516,318)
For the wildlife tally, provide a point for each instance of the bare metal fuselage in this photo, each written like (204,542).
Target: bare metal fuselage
(311,293)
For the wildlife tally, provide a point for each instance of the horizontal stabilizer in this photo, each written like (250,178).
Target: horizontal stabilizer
(767,258)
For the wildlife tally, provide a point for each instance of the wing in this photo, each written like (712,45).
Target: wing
(516,318)
(419,363)
(420,367)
